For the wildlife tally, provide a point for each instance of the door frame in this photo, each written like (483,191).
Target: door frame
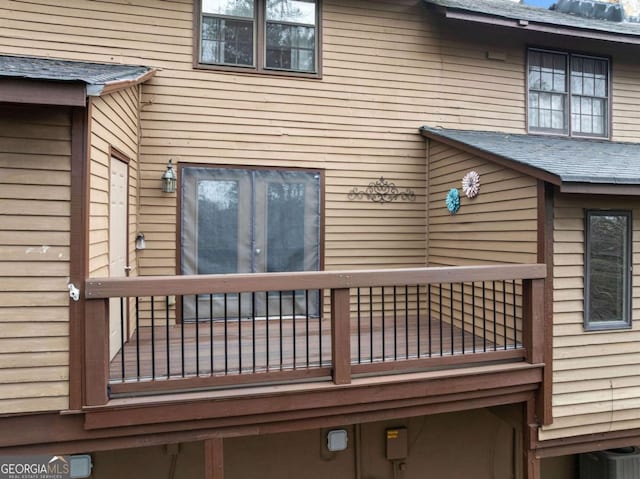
(321,246)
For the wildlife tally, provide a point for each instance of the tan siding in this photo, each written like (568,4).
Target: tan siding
(498,226)
(114,124)
(35,164)
(596,374)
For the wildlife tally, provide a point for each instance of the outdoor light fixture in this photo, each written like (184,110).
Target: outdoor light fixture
(169,179)
(140,242)
(80,466)
(337,440)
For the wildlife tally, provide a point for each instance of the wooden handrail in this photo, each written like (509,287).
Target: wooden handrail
(98,288)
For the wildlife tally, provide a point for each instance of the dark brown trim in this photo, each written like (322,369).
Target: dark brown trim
(532,462)
(65,434)
(600,189)
(79,246)
(545,255)
(115,86)
(259,47)
(42,92)
(119,155)
(540,27)
(588,443)
(269,403)
(97,288)
(214,458)
(500,160)
(184,384)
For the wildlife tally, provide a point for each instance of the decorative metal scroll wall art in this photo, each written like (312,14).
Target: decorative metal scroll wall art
(382,191)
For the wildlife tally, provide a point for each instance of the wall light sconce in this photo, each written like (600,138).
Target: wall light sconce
(169,179)
(140,242)
(337,440)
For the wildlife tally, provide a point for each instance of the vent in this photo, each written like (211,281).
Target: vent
(623,463)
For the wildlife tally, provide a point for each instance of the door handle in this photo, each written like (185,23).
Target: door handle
(128,269)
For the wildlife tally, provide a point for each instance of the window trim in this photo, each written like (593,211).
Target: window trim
(626,323)
(569,54)
(259,48)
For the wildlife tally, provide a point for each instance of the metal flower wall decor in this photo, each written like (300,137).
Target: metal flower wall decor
(471,184)
(382,191)
(453,201)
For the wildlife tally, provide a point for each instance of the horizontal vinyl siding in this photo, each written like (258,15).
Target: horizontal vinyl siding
(35,149)
(498,226)
(596,377)
(114,123)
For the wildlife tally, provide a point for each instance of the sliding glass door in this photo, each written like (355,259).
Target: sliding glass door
(250,221)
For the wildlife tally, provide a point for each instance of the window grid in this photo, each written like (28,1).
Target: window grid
(556,77)
(284,40)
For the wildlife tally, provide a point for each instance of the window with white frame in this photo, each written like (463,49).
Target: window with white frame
(569,94)
(260,35)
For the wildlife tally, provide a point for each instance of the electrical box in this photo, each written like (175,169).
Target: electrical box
(397,443)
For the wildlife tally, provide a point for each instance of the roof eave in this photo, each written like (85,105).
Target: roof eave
(524,24)
(490,156)
(600,188)
(107,88)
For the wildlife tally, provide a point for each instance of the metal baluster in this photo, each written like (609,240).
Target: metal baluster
(418,318)
(406,321)
(306,308)
(137,336)
(253,331)
(440,318)
(239,333)
(429,317)
(451,313)
(383,333)
(197,336)
(211,333)
(395,323)
(295,338)
(182,333)
(484,317)
(122,336)
(153,340)
(371,324)
(319,330)
(495,323)
(462,313)
(266,295)
(504,311)
(473,314)
(515,321)
(168,353)
(359,310)
(226,335)
(281,331)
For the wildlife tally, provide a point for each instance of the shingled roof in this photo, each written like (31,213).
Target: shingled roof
(559,160)
(514,14)
(96,76)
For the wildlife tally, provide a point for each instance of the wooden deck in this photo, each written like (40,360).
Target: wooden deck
(245,347)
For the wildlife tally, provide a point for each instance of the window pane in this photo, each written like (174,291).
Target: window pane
(290,47)
(285,226)
(295,11)
(235,8)
(559,83)
(227,41)
(217,218)
(576,84)
(607,267)
(601,87)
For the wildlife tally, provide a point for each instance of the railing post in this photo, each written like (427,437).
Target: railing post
(533,319)
(341,335)
(96,351)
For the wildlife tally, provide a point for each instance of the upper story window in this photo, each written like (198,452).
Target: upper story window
(569,94)
(607,269)
(259,35)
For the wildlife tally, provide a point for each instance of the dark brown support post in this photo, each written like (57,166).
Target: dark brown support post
(214,458)
(96,342)
(533,317)
(341,335)
(531,460)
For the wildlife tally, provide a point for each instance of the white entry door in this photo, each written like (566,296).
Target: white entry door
(117,249)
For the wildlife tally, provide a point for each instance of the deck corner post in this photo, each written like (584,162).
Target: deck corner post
(533,308)
(96,348)
(341,335)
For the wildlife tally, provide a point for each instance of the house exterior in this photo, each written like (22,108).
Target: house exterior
(230,245)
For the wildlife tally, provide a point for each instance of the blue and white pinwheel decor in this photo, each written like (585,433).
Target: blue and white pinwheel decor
(453,201)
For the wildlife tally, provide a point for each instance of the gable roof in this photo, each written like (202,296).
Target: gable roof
(98,78)
(514,14)
(575,164)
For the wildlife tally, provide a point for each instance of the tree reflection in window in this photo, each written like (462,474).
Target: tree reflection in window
(608,265)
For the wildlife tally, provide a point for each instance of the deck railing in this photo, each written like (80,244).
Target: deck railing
(158,334)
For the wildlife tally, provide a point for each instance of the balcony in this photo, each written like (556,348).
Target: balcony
(158,335)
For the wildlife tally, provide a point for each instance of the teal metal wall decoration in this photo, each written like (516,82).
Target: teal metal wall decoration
(453,201)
